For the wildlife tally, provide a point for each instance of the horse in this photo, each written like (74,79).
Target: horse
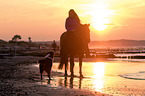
(74,44)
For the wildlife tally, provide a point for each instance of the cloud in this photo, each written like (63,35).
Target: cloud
(123,4)
(112,24)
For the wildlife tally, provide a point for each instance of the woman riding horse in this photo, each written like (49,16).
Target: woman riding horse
(74,42)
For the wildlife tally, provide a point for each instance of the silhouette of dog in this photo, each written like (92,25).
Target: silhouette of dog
(46,64)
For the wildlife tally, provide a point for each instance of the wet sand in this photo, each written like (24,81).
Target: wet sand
(19,78)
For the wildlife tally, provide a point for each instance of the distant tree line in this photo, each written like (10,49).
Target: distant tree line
(16,38)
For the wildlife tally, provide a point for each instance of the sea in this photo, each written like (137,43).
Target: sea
(113,76)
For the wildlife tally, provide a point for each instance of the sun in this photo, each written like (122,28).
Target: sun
(100,17)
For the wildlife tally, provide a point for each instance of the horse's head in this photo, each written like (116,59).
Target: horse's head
(86,32)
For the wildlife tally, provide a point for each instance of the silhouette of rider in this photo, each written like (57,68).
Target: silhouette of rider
(72,22)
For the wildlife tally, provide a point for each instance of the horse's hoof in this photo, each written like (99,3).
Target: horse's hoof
(65,75)
(72,75)
(81,76)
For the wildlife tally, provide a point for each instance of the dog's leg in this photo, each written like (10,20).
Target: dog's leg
(49,72)
(41,76)
(41,70)
(49,78)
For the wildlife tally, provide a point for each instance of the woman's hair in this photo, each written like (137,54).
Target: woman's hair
(73,14)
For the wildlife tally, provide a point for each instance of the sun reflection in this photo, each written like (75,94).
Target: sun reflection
(98,85)
(99,70)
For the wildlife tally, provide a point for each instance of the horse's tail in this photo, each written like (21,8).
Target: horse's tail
(63,61)
(63,55)
(60,65)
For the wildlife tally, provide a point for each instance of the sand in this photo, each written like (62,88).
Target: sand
(19,78)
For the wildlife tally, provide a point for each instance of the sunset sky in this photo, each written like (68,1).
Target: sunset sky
(44,20)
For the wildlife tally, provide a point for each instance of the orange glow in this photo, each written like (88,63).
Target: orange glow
(100,17)
(109,19)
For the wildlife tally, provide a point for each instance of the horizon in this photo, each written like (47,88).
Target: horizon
(110,20)
(90,41)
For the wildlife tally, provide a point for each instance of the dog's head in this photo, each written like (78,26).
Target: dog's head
(50,54)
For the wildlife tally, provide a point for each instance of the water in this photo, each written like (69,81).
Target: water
(108,77)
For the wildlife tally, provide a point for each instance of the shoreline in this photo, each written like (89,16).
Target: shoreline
(19,77)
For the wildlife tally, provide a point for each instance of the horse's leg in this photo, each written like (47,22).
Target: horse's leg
(65,70)
(80,65)
(80,83)
(66,65)
(72,65)
(65,81)
(71,82)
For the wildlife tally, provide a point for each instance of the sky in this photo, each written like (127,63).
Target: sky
(44,20)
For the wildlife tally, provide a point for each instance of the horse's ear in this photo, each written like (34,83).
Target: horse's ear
(89,24)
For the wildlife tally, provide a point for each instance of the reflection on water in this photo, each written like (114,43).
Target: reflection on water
(68,82)
(47,81)
(94,77)
(102,77)
(98,70)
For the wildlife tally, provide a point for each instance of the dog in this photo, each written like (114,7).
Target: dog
(46,64)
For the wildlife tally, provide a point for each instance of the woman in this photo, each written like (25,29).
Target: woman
(72,22)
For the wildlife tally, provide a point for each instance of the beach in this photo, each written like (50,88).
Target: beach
(20,78)
(113,76)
